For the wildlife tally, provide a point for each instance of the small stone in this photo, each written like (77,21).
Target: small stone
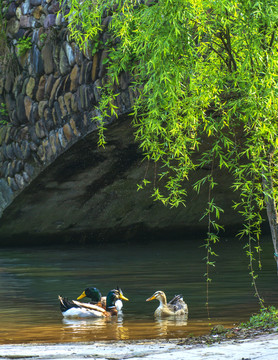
(47,58)
(30,87)
(18,13)
(40,129)
(85,121)
(19,181)
(62,139)
(78,54)
(25,148)
(33,135)
(11,12)
(41,153)
(18,166)
(62,106)
(73,126)
(42,105)
(49,21)
(82,73)
(28,105)
(12,184)
(74,77)
(64,65)
(68,132)
(58,113)
(41,89)
(34,113)
(10,170)
(25,22)
(26,177)
(37,61)
(36,2)
(49,85)
(10,152)
(52,140)
(13,26)
(17,151)
(23,133)
(67,100)
(38,11)
(48,150)
(74,103)
(48,119)
(69,52)
(25,7)
(53,92)
(218,329)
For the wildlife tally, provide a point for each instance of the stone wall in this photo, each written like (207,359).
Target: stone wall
(50,92)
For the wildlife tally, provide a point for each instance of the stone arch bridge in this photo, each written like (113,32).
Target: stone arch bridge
(54,179)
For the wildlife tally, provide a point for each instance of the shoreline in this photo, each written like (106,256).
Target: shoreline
(247,344)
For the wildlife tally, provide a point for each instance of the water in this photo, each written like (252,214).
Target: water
(32,278)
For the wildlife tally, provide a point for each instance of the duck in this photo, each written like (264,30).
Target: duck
(114,302)
(176,307)
(96,298)
(95,295)
(77,309)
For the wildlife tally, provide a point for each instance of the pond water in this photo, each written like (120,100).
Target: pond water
(32,278)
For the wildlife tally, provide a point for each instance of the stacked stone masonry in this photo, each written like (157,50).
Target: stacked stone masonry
(50,92)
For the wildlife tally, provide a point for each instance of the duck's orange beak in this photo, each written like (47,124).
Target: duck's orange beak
(151,298)
(81,296)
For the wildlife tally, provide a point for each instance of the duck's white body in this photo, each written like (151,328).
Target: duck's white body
(81,313)
(76,309)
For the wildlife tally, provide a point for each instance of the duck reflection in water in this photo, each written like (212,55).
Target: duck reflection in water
(166,326)
(95,328)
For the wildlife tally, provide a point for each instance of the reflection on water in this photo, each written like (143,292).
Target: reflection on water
(165,327)
(93,328)
(31,280)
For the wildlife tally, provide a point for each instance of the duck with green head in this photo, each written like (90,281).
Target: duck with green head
(95,295)
(75,308)
(114,302)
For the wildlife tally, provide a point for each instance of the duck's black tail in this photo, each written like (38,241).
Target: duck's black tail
(66,304)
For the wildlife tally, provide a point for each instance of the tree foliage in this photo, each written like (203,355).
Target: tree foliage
(206,73)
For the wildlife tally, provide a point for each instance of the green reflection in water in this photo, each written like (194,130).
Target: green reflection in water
(31,279)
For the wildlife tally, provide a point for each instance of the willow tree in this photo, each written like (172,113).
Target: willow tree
(203,70)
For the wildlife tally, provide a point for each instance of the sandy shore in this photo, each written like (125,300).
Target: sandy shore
(263,347)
